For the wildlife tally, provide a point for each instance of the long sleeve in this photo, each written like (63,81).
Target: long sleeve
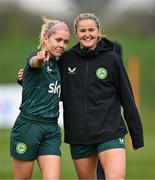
(131,114)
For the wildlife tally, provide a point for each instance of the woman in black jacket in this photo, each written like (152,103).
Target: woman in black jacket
(95,86)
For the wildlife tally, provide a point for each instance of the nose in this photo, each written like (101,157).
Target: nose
(62,44)
(87,33)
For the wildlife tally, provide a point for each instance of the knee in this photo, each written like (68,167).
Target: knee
(115,176)
(50,176)
(87,174)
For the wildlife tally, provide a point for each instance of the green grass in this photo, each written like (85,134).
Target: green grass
(140,164)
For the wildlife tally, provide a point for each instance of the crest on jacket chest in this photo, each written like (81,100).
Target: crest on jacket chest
(101,73)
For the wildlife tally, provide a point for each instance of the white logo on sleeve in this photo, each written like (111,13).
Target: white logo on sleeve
(55,88)
(49,69)
(121,140)
(71,71)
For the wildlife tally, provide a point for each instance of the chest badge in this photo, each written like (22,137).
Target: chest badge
(101,73)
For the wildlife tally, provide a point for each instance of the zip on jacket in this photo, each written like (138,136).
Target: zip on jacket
(95,86)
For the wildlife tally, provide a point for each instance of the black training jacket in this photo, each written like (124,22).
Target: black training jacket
(95,86)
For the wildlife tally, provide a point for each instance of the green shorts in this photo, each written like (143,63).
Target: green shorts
(30,139)
(80,151)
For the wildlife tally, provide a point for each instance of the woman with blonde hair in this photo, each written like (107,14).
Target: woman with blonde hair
(36,133)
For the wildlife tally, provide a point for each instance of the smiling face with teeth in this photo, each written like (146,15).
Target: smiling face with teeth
(87,33)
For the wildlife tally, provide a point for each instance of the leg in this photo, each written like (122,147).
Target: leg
(100,171)
(49,166)
(113,161)
(86,167)
(22,169)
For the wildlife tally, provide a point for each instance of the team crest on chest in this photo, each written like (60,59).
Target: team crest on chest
(101,73)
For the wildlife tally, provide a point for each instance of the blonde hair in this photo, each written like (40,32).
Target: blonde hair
(85,16)
(48,24)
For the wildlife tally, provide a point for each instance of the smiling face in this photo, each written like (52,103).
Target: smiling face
(87,33)
(57,42)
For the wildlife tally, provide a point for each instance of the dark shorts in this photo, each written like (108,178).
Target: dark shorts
(80,151)
(30,139)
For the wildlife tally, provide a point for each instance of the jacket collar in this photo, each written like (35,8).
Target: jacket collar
(103,45)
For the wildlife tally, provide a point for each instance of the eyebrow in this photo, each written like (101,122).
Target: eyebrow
(86,28)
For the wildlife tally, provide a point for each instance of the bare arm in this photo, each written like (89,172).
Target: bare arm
(38,60)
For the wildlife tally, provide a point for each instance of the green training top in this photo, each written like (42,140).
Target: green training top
(41,89)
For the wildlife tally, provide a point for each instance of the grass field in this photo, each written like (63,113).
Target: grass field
(140,164)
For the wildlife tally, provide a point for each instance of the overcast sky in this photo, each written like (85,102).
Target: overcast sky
(56,6)
(63,5)
(70,7)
